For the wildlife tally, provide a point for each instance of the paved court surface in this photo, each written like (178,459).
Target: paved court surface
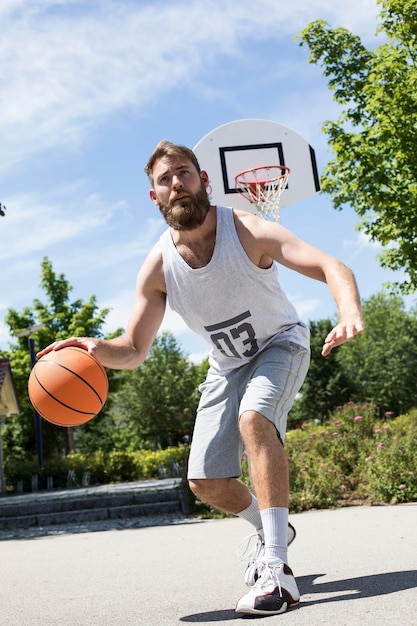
(355,567)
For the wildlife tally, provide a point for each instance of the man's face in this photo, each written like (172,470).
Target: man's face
(180,192)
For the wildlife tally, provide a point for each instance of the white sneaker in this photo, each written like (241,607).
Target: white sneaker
(274,591)
(253,555)
(258,552)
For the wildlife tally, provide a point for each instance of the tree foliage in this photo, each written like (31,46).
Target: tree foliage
(381,364)
(62,318)
(378,367)
(155,405)
(374,168)
(2,210)
(326,385)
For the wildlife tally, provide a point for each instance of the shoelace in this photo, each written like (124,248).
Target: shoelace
(251,549)
(248,551)
(267,572)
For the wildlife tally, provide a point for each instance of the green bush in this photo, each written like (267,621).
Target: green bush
(18,470)
(354,457)
(102,468)
(122,467)
(390,469)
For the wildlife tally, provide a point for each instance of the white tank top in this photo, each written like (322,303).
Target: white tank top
(237,307)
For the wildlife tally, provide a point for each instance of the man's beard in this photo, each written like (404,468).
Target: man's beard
(189,214)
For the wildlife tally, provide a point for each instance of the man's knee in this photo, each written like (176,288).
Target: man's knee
(256,429)
(254,423)
(207,489)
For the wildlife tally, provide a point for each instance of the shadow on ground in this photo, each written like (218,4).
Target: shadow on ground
(315,592)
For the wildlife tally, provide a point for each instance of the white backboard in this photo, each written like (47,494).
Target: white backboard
(243,144)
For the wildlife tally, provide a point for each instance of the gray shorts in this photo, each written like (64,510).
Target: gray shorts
(268,384)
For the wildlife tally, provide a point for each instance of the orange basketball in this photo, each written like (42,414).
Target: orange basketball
(68,387)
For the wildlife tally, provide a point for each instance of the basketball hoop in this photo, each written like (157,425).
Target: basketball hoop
(263,187)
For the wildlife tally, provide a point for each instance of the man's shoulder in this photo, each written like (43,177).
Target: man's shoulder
(151,273)
(246,217)
(249,223)
(153,260)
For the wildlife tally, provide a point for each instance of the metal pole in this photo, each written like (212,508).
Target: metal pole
(2,477)
(38,422)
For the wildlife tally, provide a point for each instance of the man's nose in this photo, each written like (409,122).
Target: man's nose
(176,182)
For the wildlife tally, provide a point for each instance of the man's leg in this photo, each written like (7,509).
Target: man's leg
(269,463)
(232,496)
(269,470)
(227,494)
(275,588)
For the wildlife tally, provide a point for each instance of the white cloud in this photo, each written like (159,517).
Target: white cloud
(37,223)
(120,307)
(365,241)
(307,308)
(82,237)
(4,334)
(361,243)
(71,67)
(66,66)
(43,221)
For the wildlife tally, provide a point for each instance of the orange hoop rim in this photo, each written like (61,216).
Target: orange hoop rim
(265,193)
(258,190)
(285,171)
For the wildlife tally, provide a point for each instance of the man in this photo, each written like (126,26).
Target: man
(216,267)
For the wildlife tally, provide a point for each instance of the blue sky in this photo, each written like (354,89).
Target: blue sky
(87,89)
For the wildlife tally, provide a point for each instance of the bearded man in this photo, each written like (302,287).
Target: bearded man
(217,267)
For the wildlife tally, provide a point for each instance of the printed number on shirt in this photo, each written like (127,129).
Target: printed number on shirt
(234,338)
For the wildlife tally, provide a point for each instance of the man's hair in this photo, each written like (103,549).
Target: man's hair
(171,151)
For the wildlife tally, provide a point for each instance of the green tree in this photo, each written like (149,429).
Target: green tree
(381,364)
(2,210)
(374,168)
(62,318)
(156,403)
(325,386)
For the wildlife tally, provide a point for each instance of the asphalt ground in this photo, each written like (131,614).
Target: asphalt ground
(355,566)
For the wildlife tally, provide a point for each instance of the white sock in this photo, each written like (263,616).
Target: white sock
(251,514)
(275,526)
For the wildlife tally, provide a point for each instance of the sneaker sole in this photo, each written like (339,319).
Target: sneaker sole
(289,602)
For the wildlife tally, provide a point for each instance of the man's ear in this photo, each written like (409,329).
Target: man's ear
(152,196)
(205,178)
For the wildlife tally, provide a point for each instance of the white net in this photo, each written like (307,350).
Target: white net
(263,187)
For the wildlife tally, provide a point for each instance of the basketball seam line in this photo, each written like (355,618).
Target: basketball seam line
(60,401)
